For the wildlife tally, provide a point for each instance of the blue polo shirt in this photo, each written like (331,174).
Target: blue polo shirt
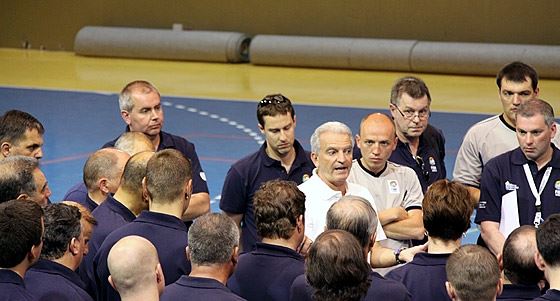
(110,215)
(514,292)
(550,295)
(246,176)
(198,289)
(379,289)
(187,149)
(504,174)
(78,193)
(424,276)
(12,287)
(166,232)
(49,280)
(266,273)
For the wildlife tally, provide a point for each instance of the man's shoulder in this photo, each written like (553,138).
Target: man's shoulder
(501,160)
(486,127)
(250,161)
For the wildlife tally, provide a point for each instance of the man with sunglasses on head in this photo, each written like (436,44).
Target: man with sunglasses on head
(420,146)
(280,157)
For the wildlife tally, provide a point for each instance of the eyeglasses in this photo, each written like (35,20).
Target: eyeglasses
(410,114)
(420,163)
(273,99)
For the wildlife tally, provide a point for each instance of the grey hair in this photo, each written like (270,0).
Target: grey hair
(212,238)
(355,215)
(328,127)
(536,106)
(125,97)
(16,177)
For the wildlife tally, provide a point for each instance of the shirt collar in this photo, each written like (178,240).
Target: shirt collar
(161,219)
(200,282)
(321,190)
(264,248)
(119,208)
(165,140)
(9,276)
(52,267)
(299,159)
(373,174)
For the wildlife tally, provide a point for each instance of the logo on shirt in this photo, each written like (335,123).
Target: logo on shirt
(511,186)
(393,186)
(482,205)
(432,162)
(304,178)
(557,188)
(203,176)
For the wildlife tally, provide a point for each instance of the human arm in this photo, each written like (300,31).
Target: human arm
(494,239)
(468,165)
(381,257)
(410,227)
(198,205)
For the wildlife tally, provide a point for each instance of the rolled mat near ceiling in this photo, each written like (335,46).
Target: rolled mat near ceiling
(401,55)
(212,46)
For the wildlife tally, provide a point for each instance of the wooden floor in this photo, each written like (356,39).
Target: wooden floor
(67,71)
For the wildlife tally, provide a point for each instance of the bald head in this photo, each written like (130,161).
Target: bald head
(134,142)
(133,264)
(135,171)
(518,257)
(355,215)
(377,141)
(103,170)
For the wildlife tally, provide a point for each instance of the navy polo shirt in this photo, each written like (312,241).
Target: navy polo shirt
(12,287)
(49,280)
(514,292)
(246,176)
(166,232)
(78,193)
(379,289)
(110,215)
(550,295)
(198,289)
(187,149)
(505,173)
(266,273)
(424,276)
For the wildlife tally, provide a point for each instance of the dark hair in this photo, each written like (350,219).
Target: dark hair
(518,72)
(167,172)
(212,238)
(336,268)
(548,240)
(473,272)
(16,177)
(410,85)
(272,105)
(14,124)
(518,257)
(62,223)
(447,209)
(20,229)
(277,206)
(536,106)
(355,215)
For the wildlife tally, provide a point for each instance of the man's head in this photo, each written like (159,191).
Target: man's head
(518,257)
(64,236)
(447,209)
(134,267)
(517,82)
(21,178)
(331,152)
(279,211)
(140,105)
(103,170)
(87,222)
(134,142)
(277,123)
(535,128)
(20,134)
(168,178)
(336,268)
(355,215)
(133,174)
(213,242)
(548,244)
(21,233)
(473,274)
(410,106)
(377,141)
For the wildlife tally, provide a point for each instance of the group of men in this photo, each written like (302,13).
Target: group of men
(145,188)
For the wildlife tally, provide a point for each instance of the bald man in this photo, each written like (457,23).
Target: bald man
(135,269)
(102,175)
(396,190)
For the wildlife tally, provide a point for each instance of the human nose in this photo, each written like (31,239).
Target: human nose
(529,139)
(516,99)
(283,135)
(38,154)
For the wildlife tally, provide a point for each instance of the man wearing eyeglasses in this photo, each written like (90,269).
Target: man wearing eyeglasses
(280,157)
(517,82)
(420,146)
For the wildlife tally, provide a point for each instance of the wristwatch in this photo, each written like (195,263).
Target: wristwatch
(397,253)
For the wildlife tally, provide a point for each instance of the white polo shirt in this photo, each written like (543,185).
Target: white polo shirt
(318,199)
